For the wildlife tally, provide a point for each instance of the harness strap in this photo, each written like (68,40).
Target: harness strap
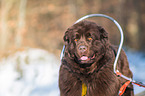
(122,89)
(139,84)
(84,89)
(129,80)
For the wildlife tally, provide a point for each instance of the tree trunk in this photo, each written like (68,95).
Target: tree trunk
(21,23)
(140,11)
(4,35)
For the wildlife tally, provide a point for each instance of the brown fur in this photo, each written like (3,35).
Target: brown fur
(96,73)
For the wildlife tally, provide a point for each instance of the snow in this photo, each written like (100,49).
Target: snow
(34,72)
(137,66)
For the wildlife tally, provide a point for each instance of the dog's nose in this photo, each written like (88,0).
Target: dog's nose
(82,48)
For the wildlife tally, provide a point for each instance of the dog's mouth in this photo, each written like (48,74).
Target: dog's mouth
(86,58)
(86,61)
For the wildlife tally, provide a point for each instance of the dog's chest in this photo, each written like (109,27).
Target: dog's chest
(100,85)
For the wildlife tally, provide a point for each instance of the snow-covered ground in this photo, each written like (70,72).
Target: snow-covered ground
(34,72)
(137,66)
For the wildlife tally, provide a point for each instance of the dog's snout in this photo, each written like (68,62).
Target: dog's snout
(82,48)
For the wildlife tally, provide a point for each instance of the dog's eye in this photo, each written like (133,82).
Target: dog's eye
(90,38)
(76,40)
(76,37)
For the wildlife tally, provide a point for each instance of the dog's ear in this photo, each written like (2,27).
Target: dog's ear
(103,34)
(66,38)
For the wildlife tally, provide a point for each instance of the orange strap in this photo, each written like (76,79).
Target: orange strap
(122,89)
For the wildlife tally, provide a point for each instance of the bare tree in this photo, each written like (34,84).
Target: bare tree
(140,11)
(21,23)
(4,35)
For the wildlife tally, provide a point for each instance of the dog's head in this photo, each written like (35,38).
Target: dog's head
(85,42)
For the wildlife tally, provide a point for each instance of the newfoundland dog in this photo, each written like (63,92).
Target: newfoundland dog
(88,59)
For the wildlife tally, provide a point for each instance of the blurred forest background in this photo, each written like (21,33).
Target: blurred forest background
(42,23)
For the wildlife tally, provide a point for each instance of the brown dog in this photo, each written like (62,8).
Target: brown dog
(88,59)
